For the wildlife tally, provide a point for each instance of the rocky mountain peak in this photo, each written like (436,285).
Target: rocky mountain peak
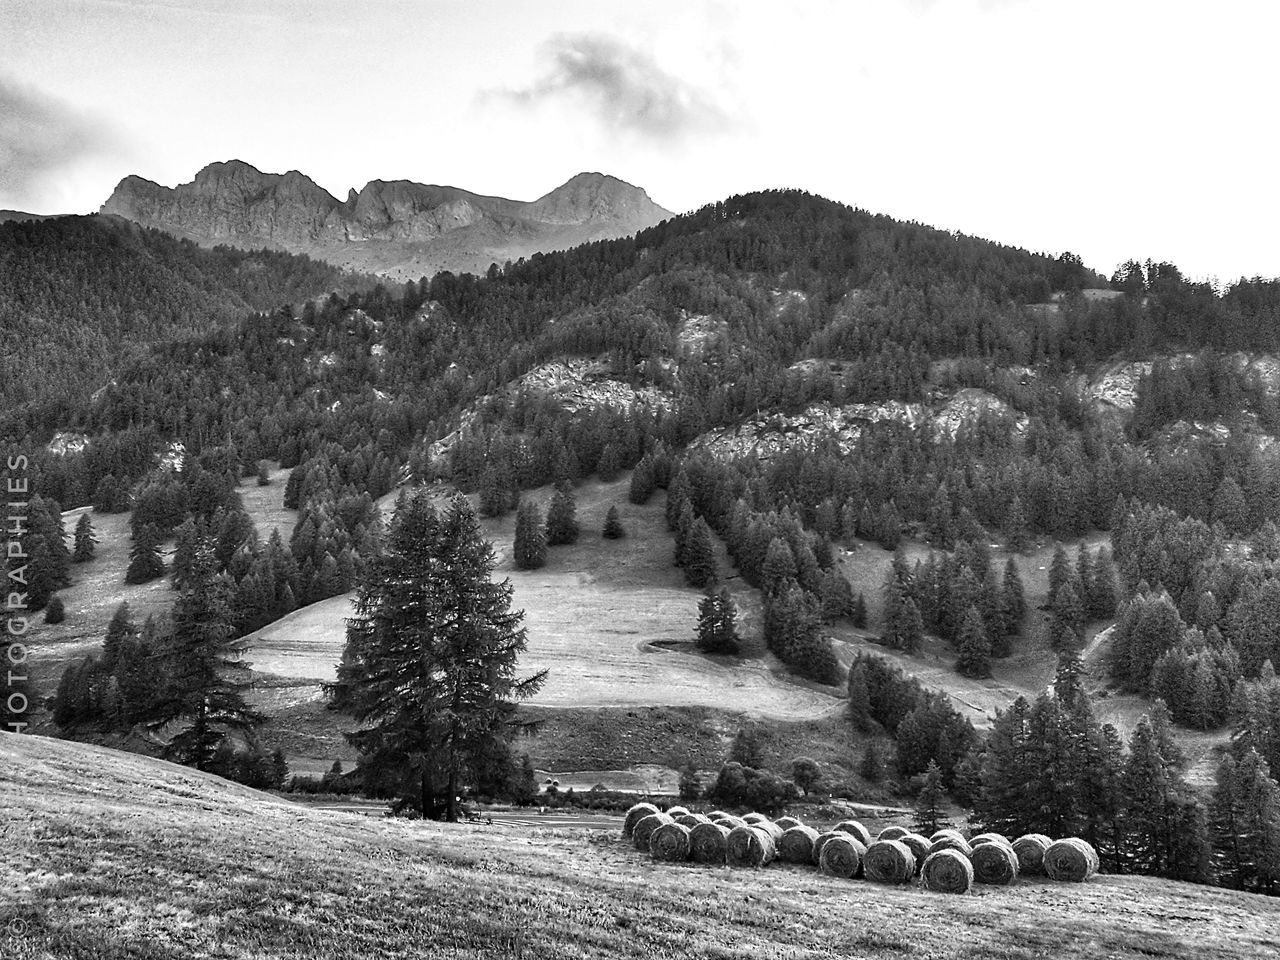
(396,227)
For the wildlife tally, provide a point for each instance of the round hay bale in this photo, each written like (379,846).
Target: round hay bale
(715,815)
(855,830)
(889,861)
(635,815)
(674,812)
(749,847)
(994,863)
(946,832)
(947,871)
(1070,859)
(821,841)
(892,833)
(670,842)
(731,821)
(796,845)
(786,823)
(707,843)
(959,844)
(644,829)
(841,855)
(982,838)
(753,818)
(771,828)
(1029,850)
(689,820)
(920,848)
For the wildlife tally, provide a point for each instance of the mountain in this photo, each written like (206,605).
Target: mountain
(398,228)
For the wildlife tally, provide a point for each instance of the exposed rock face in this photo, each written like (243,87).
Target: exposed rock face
(398,228)
(766,437)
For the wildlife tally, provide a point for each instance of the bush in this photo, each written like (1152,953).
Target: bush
(54,611)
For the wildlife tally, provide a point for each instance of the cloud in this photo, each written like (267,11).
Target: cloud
(626,89)
(38,138)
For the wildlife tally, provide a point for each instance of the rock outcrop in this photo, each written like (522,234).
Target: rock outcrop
(398,228)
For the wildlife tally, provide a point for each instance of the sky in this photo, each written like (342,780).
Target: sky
(1115,129)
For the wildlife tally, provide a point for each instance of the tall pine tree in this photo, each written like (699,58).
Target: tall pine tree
(431,658)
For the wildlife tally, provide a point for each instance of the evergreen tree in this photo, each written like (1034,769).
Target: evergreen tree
(530,549)
(930,807)
(1013,602)
(145,562)
(779,566)
(433,689)
(859,615)
(975,647)
(1245,824)
(717,623)
(562,520)
(1060,572)
(1102,591)
(643,482)
(85,541)
(1015,526)
(1168,831)
(859,695)
(279,766)
(203,673)
(700,567)
(871,766)
(613,528)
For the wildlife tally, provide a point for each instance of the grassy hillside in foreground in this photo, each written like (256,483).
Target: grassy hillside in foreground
(112,855)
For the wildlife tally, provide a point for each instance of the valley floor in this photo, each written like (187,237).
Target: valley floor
(111,855)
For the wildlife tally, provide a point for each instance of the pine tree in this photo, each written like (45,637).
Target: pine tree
(1013,603)
(613,528)
(85,541)
(1245,824)
(54,611)
(871,766)
(202,669)
(1168,831)
(642,482)
(1102,591)
(859,696)
(434,690)
(279,770)
(700,566)
(145,562)
(530,549)
(562,521)
(718,623)
(859,615)
(1015,525)
(975,647)
(1059,572)
(931,813)
(779,566)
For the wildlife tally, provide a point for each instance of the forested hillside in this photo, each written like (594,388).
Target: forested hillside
(799,377)
(80,295)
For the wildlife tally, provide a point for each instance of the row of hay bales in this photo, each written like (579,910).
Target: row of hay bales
(946,862)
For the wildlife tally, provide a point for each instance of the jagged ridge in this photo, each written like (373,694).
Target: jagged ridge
(396,227)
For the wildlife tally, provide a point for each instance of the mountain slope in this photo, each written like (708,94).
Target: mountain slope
(80,294)
(398,228)
(109,854)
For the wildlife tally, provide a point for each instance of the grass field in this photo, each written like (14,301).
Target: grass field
(610,620)
(113,855)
